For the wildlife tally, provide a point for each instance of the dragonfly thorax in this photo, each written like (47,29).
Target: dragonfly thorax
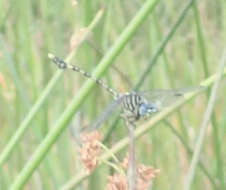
(136,107)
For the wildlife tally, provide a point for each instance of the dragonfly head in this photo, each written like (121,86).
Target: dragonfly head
(146,109)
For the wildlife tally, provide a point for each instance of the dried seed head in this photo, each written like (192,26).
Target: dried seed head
(125,162)
(90,149)
(145,174)
(117,182)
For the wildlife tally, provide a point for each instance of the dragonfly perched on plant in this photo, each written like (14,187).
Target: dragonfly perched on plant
(135,105)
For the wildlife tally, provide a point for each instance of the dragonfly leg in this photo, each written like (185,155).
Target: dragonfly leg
(131,173)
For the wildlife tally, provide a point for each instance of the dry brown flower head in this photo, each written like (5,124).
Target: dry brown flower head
(90,149)
(117,182)
(144,178)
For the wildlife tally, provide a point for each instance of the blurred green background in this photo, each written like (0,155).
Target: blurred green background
(29,30)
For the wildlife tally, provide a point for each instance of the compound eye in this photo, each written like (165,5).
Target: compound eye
(152,108)
(143,109)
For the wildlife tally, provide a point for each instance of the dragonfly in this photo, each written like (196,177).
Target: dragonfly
(135,105)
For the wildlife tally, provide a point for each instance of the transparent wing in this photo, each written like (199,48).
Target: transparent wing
(105,114)
(165,98)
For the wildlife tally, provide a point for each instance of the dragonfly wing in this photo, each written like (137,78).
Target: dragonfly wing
(105,114)
(164,98)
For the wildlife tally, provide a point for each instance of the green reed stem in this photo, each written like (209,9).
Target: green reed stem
(216,141)
(204,125)
(41,100)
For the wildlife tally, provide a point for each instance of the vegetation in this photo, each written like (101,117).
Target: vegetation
(134,45)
